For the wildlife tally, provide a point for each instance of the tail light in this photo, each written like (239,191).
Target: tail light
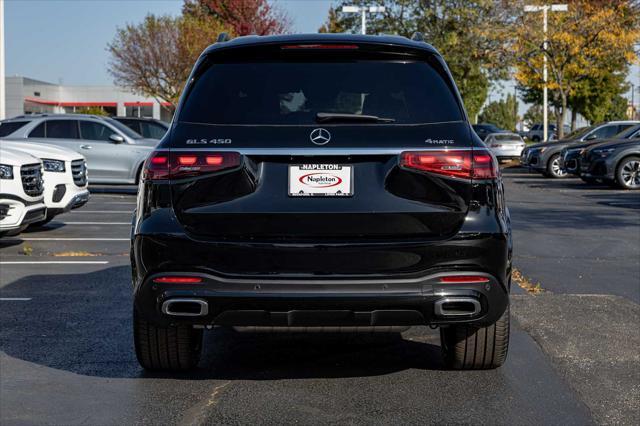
(178,165)
(476,164)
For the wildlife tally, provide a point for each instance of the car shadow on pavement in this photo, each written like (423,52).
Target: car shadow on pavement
(114,189)
(81,323)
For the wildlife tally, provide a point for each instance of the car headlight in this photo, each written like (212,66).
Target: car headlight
(603,152)
(53,166)
(6,171)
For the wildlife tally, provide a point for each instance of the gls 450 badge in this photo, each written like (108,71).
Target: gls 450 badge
(208,141)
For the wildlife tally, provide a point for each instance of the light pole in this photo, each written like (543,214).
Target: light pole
(363,11)
(3,95)
(545,9)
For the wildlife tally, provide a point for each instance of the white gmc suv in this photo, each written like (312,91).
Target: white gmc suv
(65,176)
(21,191)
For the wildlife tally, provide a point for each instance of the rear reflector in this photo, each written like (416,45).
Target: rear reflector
(476,164)
(177,280)
(178,165)
(464,279)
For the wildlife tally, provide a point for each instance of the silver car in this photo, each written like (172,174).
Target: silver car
(114,152)
(505,146)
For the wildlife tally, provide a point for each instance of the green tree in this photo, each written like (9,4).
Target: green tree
(533,115)
(618,109)
(91,111)
(502,113)
(471,35)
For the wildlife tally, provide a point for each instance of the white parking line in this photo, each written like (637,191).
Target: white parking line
(55,262)
(102,211)
(64,239)
(14,299)
(93,223)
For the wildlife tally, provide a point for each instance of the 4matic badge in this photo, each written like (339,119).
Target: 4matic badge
(439,141)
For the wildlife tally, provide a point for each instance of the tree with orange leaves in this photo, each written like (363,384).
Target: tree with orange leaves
(593,39)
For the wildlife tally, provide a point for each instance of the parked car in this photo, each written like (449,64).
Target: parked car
(571,155)
(338,192)
(616,163)
(485,129)
(536,132)
(64,174)
(21,191)
(545,157)
(505,146)
(147,127)
(114,153)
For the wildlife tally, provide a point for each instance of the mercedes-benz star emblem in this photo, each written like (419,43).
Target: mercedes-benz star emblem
(320,136)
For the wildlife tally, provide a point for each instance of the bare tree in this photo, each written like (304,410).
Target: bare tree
(154,58)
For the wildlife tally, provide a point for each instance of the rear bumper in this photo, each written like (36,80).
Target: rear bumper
(313,302)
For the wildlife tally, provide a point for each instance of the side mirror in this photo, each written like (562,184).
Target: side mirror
(116,138)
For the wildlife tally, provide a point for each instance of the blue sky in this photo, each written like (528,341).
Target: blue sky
(55,40)
(65,40)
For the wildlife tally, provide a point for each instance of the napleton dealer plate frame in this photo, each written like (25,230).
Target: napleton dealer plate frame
(331,180)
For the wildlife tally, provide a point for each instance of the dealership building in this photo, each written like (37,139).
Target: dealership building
(28,96)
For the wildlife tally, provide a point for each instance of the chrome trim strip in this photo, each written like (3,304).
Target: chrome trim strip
(317,151)
(204,307)
(439,311)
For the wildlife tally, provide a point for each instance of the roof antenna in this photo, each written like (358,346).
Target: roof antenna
(417,36)
(222,37)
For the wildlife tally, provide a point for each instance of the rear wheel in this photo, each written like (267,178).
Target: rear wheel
(172,348)
(554,168)
(465,347)
(628,173)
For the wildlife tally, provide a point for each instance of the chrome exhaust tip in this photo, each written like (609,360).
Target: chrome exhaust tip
(185,307)
(457,307)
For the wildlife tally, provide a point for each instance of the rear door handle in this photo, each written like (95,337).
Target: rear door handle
(85,146)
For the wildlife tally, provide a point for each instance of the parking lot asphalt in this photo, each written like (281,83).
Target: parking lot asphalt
(66,351)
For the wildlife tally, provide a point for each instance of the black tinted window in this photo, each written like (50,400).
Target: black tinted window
(38,132)
(62,129)
(95,131)
(132,124)
(8,128)
(152,130)
(293,93)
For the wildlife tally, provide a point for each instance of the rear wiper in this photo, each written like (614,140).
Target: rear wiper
(324,117)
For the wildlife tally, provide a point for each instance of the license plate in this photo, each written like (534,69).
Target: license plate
(320,180)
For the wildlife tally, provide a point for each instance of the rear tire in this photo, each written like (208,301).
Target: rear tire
(465,347)
(172,348)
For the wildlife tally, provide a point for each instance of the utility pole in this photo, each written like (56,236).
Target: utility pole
(363,13)
(3,93)
(545,99)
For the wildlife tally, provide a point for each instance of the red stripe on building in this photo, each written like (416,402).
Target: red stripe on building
(138,104)
(89,104)
(70,104)
(41,101)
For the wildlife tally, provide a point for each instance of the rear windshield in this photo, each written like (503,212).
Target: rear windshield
(7,128)
(292,93)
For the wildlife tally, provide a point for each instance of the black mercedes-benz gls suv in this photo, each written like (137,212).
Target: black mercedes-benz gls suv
(321,181)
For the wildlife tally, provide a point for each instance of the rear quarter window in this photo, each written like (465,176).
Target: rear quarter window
(292,93)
